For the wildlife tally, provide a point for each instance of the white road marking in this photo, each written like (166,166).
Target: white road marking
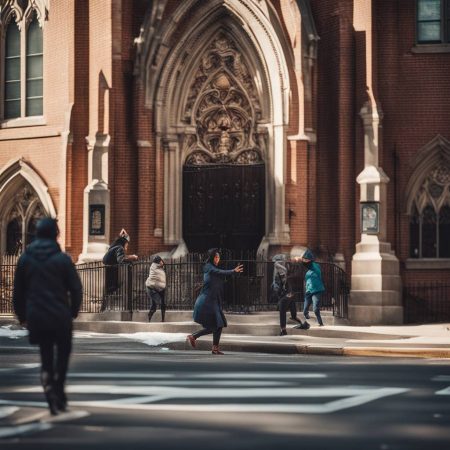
(358,397)
(20,367)
(445,391)
(215,376)
(7,432)
(264,375)
(7,411)
(441,378)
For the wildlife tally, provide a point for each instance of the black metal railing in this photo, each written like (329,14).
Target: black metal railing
(122,287)
(7,268)
(426,302)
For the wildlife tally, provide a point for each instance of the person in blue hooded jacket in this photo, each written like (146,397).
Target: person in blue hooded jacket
(313,286)
(208,306)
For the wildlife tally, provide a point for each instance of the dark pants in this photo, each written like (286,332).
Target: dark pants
(55,348)
(216,332)
(157,299)
(111,286)
(284,304)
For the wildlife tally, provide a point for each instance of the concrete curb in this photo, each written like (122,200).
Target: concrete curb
(411,352)
(292,348)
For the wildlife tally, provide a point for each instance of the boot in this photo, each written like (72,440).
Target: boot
(150,315)
(191,340)
(163,314)
(283,332)
(49,392)
(61,399)
(216,350)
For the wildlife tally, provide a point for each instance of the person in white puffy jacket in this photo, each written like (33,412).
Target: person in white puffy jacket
(156,286)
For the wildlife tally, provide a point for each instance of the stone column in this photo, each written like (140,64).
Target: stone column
(96,210)
(375,297)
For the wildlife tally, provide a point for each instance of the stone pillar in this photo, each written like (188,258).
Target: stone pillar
(96,209)
(375,297)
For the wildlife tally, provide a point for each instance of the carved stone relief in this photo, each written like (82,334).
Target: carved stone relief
(223,105)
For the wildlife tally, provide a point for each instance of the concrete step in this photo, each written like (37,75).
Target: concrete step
(270,317)
(232,329)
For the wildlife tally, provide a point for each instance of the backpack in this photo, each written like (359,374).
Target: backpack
(110,257)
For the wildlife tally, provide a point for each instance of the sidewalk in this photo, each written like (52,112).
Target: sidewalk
(258,332)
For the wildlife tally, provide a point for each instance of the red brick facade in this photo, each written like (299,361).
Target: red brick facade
(93,87)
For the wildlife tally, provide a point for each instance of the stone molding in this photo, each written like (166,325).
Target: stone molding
(429,157)
(166,87)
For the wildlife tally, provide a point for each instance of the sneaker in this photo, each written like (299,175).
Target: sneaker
(306,316)
(283,332)
(303,326)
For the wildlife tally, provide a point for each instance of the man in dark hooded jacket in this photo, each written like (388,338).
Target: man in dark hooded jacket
(47,297)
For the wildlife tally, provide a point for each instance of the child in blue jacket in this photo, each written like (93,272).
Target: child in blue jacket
(313,286)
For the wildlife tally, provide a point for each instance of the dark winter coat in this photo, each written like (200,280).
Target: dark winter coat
(47,289)
(208,306)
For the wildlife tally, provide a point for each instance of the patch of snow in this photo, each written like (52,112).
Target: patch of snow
(155,338)
(11,332)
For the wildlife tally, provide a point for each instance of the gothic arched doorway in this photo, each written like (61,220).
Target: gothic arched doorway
(224,170)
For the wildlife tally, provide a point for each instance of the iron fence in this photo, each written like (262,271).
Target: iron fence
(7,268)
(122,287)
(426,302)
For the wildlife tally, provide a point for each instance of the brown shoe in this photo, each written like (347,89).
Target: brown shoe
(216,350)
(191,340)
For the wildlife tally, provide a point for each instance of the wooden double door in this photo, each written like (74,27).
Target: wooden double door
(223,206)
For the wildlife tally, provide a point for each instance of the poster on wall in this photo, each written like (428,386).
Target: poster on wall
(369,217)
(96,220)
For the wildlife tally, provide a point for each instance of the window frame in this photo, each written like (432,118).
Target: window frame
(23,25)
(444,25)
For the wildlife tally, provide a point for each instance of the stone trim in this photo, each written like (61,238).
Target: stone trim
(427,264)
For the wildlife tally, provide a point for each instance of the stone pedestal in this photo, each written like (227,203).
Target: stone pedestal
(375,297)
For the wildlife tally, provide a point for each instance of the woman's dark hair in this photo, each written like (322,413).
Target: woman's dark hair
(212,252)
(120,241)
(157,259)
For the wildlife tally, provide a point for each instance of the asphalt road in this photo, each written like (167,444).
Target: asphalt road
(126,395)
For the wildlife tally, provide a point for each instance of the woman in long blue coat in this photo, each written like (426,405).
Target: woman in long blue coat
(208,306)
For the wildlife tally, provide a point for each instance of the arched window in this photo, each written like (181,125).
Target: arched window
(12,72)
(34,65)
(22,63)
(430,215)
(14,237)
(21,219)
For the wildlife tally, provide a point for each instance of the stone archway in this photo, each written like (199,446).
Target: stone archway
(224,170)
(171,49)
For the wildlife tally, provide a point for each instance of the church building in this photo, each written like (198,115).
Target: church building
(259,125)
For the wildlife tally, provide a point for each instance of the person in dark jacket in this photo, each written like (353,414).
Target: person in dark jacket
(208,306)
(47,297)
(282,289)
(313,286)
(115,256)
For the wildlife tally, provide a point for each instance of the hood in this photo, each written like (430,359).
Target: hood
(308,255)
(280,267)
(43,249)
